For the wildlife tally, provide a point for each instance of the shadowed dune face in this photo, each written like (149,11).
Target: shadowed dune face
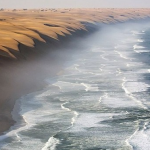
(26,26)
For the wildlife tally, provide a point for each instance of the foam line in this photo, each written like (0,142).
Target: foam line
(57,86)
(18,137)
(127,140)
(130,95)
(121,55)
(137,33)
(63,107)
(104,96)
(139,40)
(76,67)
(138,47)
(74,118)
(102,56)
(139,139)
(51,144)
(86,86)
(89,87)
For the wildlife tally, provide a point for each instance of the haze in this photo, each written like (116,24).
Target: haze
(74,3)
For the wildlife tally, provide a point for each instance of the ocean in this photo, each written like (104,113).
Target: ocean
(99,101)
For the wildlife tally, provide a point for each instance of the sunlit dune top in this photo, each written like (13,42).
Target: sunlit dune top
(24,26)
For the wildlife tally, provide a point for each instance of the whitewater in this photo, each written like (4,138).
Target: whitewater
(100,101)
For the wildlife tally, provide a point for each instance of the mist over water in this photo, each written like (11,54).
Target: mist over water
(99,101)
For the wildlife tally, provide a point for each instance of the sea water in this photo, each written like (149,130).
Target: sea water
(101,101)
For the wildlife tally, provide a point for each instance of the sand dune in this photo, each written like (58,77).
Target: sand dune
(24,26)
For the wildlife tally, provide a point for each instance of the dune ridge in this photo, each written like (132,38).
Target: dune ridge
(25,26)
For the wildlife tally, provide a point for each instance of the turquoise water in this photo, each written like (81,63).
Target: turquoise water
(100,101)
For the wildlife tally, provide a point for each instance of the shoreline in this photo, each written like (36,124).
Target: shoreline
(9,102)
(13,88)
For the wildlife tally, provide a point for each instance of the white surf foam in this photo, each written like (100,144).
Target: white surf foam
(138,49)
(140,140)
(51,144)
(73,120)
(65,86)
(104,96)
(129,94)
(65,108)
(44,94)
(137,87)
(89,87)
(128,140)
(142,51)
(139,40)
(102,56)
(100,69)
(59,86)
(88,120)
(117,102)
(137,32)
(14,131)
(102,66)
(76,67)
(142,71)
(121,55)
(135,64)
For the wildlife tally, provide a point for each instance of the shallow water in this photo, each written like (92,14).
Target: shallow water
(99,102)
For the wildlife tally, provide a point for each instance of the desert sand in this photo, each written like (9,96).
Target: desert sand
(24,26)
(24,34)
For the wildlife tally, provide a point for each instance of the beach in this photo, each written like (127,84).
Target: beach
(35,47)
